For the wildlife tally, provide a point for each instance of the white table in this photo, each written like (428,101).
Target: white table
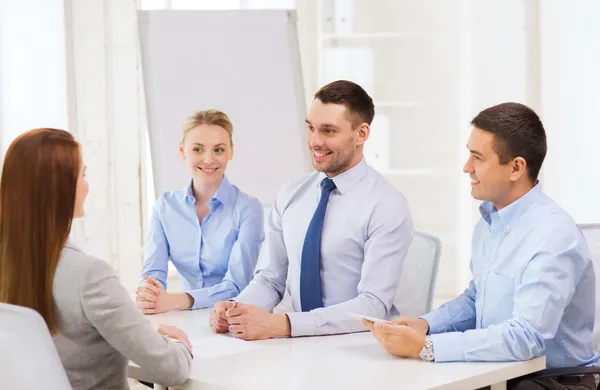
(351,361)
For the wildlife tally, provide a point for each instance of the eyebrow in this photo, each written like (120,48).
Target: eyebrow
(199,144)
(475,152)
(323,125)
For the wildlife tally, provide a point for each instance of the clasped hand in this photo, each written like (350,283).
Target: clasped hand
(247,322)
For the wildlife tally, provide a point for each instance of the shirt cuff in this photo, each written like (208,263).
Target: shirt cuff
(435,321)
(447,347)
(200,298)
(302,323)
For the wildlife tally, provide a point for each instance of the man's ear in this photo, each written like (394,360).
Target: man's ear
(364,130)
(518,168)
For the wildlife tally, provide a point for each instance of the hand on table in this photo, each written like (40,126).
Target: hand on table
(248,322)
(398,340)
(152,298)
(217,319)
(175,333)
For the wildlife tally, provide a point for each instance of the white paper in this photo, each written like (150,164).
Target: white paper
(220,345)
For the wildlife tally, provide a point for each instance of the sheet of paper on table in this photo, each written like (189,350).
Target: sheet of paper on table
(220,345)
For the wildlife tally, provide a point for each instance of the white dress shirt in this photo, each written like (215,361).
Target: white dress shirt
(366,234)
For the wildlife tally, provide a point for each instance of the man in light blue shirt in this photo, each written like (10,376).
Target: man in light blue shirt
(533,287)
(336,238)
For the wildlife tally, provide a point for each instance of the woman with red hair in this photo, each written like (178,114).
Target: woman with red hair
(95,325)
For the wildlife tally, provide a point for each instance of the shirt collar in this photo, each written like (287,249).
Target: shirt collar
(510,215)
(346,180)
(223,195)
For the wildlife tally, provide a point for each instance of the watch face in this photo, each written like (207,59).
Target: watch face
(427,355)
(427,351)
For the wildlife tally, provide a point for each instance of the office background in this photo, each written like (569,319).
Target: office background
(430,66)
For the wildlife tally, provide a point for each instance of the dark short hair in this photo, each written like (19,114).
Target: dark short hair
(357,101)
(518,132)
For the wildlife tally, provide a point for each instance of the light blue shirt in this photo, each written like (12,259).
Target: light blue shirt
(215,258)
(366,234)
(532,292)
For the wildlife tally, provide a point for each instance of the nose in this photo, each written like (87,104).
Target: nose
(314,140)
(208,157)
(468,167)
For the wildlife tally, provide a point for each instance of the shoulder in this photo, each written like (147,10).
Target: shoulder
(169,198)
(247,205)
(551,220)
(291,189)
(76,265)
(167,201)
(386,196)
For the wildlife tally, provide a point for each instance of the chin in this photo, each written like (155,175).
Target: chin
(326,166)
(318,167)
(209,178)
(477,196)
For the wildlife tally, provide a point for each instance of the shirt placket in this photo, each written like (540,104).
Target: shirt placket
(198,238)
(496,234)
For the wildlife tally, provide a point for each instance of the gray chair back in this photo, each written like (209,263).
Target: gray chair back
(591,232)
(28,357)
(419,274)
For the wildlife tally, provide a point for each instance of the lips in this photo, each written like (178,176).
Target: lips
(320,156)
(208,171)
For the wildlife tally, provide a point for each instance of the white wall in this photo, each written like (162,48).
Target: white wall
(570,101)
(106,114)
(33,89)
(503,56)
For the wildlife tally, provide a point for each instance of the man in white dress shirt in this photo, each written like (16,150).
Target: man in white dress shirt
(337,237)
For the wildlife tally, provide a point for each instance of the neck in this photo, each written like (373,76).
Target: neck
(516,192)
(354,162)
(203,192)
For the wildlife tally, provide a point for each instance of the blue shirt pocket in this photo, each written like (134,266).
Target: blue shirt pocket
(498,299)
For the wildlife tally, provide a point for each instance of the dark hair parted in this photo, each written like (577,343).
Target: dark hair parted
(358,103)
(518,132)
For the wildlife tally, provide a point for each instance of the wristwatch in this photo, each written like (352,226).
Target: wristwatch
(427,351)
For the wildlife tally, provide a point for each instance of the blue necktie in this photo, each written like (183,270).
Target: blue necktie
(310,270)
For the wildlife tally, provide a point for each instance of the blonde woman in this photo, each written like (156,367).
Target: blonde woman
(210,230)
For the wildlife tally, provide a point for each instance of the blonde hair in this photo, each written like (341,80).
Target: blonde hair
(209,117)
